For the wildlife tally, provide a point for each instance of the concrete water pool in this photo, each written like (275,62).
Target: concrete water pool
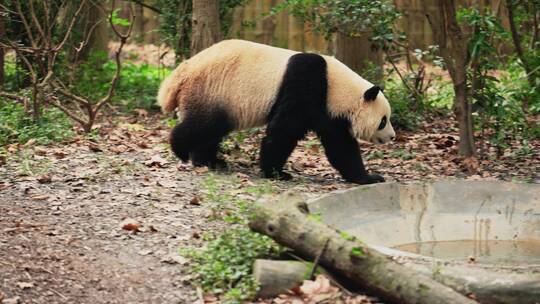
(481,237)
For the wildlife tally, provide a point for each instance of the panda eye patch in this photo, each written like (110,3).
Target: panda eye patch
(383,123)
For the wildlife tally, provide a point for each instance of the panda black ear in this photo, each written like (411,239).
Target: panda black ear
(371,93)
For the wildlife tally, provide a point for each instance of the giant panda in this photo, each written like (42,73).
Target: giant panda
(238,84)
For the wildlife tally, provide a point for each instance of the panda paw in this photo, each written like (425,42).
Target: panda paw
(369,179)
(284,176)
(218,164)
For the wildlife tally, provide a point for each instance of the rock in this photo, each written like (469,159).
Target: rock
(14,300)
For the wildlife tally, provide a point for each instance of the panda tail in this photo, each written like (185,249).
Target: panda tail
(168,91)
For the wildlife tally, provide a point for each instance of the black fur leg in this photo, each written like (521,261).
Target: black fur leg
(300,102)
(199,135)
(276,147)
(344,154)
(180,141)
(206,155)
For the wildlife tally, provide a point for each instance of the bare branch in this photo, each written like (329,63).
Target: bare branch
(70,27)
(141,3)
(14,97)
(25,24)
(123,40)
(61,88)
(73,116)
(37,25)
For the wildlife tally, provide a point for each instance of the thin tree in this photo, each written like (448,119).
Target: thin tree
(531,70)
(206,25)
(453,44)
(2,52)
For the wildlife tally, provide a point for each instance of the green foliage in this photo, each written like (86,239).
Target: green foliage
(223,266)
(315,216)
(13,76)
(358,252)
(403,154)
(237,138)
(347,236)
(497,112)
(137,87)
(353,17)
(17,126)
(400,100)
(117,20)
(175,25)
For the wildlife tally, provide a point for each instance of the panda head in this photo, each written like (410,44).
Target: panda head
(372,122)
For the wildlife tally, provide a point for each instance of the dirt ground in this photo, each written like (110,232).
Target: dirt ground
(63,207)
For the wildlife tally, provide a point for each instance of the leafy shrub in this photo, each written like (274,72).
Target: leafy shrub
(13,76)
(518,88)
(403,116)
(223,266)
(137,87)
(17,126)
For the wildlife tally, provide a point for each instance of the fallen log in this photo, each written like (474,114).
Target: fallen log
(278,277)
(289,223)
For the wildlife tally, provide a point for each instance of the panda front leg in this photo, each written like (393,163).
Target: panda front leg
(282,136)
(343,153)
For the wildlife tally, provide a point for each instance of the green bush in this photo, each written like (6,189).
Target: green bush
(223,266)
(137,87)
(17,126)
(13,77)
(403,114)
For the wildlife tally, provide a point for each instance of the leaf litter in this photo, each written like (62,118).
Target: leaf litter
(62,205)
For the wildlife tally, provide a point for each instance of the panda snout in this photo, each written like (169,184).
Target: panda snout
(382,140)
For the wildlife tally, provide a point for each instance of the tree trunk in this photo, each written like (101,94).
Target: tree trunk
(268,23)
(462,110)
(183,48)
(2,52)
(289,223)
(206,25)
(296,34)
(138,29)
(357,54)
(517,44)
(452,43)
(92,24)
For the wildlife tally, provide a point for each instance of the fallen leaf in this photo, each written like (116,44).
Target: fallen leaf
(25,285)
(94,147)
(471,164)
(141,113)
(156,161)
(201,169)
(166,183)
(195,201)
(130,225)
(42,151)
(60,154)
(40,197)
(44,179)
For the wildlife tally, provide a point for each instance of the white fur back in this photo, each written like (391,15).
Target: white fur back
(240,76)
(244,77)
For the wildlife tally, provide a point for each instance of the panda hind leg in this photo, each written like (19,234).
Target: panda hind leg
(198,137)
(206,155)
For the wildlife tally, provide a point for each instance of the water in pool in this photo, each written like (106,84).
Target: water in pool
(493,251)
